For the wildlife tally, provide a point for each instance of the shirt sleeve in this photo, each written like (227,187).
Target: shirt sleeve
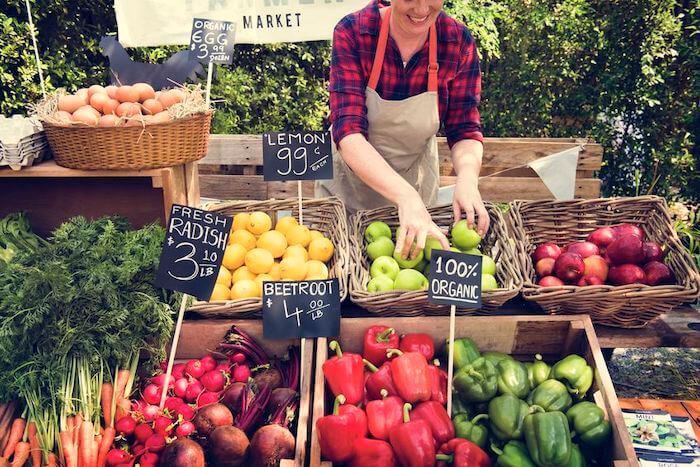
(347,84)
(463,120)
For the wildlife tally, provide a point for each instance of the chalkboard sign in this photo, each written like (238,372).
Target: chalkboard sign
(301,309)
(297,156)
(455,279)
(194,247)
(212,41)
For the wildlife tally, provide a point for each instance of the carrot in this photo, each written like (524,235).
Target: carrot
(53,460)
(21,454)
(16,434)
(87,439)
(106,444)
(34,444)
(77,423)
(122,380)
(5,425)
(107,396)
(123,408)
(70,453)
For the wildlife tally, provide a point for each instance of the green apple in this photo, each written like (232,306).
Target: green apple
(488,282)
(473,251)
(420,267)
(377,229)
(426,271)
(384,266)
(383,246)
(430,244)
(455,249)
(410,279)
(408,263)
(488,265)
(380,283)
(464,237)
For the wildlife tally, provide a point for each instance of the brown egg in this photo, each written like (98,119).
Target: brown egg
(63,116)
(110,106)
(83,94)
(145,91)
(158,93)
(138,120)
(109,121)
(86,116)
(167,99)
(127,94)
(152,106)
(89,108)
(70,103)
(111,91)
(161,117)
(98,100)
(94,89)
(128,109)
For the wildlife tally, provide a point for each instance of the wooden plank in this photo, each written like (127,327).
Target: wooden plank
(192,183)
(232,187)
(630,404)
(51,169)
(669,330)
(178,185)
(284,190)
(518,172)
(500,189)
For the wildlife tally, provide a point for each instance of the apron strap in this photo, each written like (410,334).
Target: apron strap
(381,48)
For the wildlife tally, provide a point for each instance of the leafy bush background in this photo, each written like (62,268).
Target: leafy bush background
(622,72)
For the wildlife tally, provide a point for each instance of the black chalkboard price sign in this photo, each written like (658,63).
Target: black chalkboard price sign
(455,279)
(301,309)
(212,41)
(291,156)
(193,250)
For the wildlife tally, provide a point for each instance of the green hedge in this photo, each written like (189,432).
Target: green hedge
(623,73)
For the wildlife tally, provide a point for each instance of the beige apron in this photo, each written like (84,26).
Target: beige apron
(402,131)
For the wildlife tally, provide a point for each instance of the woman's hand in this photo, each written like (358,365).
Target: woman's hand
(467,199)
(416,226)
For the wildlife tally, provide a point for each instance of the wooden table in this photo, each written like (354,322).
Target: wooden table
(674,407)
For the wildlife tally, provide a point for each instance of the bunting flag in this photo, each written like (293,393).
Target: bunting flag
(558,172)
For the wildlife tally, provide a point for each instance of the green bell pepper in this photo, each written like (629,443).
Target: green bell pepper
(506,414)
(577,459)
(575,373)
(589,423)
(548,438)
(512,378)
(465,352)
(476,382)
(459,407)
(471,429)
(537,371)
(513,454)
(495,357)
(551,395)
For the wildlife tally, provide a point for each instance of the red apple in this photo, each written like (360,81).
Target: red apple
(626,249)
(652,252)
(550,281)
(546,250)
(595,266)
(626,274)
(545,267)
(569,267)
(629,229)
(585,249)
(657,273)
(602,237)
(592,280)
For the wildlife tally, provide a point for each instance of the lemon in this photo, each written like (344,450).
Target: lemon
(240,221)
(245,289)
(298,235)
(224,277)
(259,223)
(262,278)
(316,270)
(285,223)
(274,242)
(220,292)
(259,261)
(275,271)
(321,249)
(315,234)
(296,251)
(234,256)
(293,268)
(243,237)
(240,274)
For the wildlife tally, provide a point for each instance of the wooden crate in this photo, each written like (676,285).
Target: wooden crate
(520,336)
(241,155)
(200,337)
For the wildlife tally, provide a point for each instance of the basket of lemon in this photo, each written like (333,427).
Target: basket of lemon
(267,243)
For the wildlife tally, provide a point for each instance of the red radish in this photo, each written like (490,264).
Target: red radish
(178,371)
(149,459)
(138,406)
(208,362)
(238,358)
(185,429)
(181,387)
(125,426)
(213,381)
(186,412)
(117,456)
(156,443)
(138,449)
(160,381)
(208,397)
(150,412)
(194,389)
(152,394)
(172,403)
(163,425)
(143,432)
(225,368)
(194,368)
(241,373)
(163,365)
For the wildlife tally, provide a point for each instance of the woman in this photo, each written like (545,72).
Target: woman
(397,73)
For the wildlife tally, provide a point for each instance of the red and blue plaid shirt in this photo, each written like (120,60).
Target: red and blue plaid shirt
(459,77)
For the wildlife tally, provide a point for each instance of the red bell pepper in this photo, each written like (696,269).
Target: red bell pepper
(440,423)
(373,453)
(413,442)
(418,342)
(358,416)
(378,379)
(379,339)
(438,383)
(460,452)
(337,433)
(384,415)
(344,374)
(410,373)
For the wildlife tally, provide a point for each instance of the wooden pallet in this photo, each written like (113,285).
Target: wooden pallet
(241,155)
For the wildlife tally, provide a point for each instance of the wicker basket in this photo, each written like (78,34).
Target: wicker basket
(563,222)
(130,147)
(324,214)
(415,303)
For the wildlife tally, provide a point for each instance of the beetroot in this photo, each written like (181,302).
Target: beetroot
(182,452)
(228,446)
(211,416)
(232,396)
(269,377)
(278,397)
(208,363)
(270,444)
(142,433)
(125,426)
(213,381)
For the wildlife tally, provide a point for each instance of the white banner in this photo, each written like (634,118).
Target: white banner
(558,172)
(150,23)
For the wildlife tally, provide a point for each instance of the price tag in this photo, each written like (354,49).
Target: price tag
(455,279)
(301,309)
(297,156)
(193,250)
(212,41)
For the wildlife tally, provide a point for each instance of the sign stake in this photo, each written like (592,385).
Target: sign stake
(301,214)
(303,339)
(451,359)
(173,348)
(210,72)
(36,47)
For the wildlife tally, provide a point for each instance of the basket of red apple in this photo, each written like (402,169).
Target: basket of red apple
(616,259)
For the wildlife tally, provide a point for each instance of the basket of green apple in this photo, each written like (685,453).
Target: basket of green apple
(383,282)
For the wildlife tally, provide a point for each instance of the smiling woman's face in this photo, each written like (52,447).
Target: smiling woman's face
(415,16)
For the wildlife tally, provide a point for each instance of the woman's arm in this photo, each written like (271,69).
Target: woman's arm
(466,160)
